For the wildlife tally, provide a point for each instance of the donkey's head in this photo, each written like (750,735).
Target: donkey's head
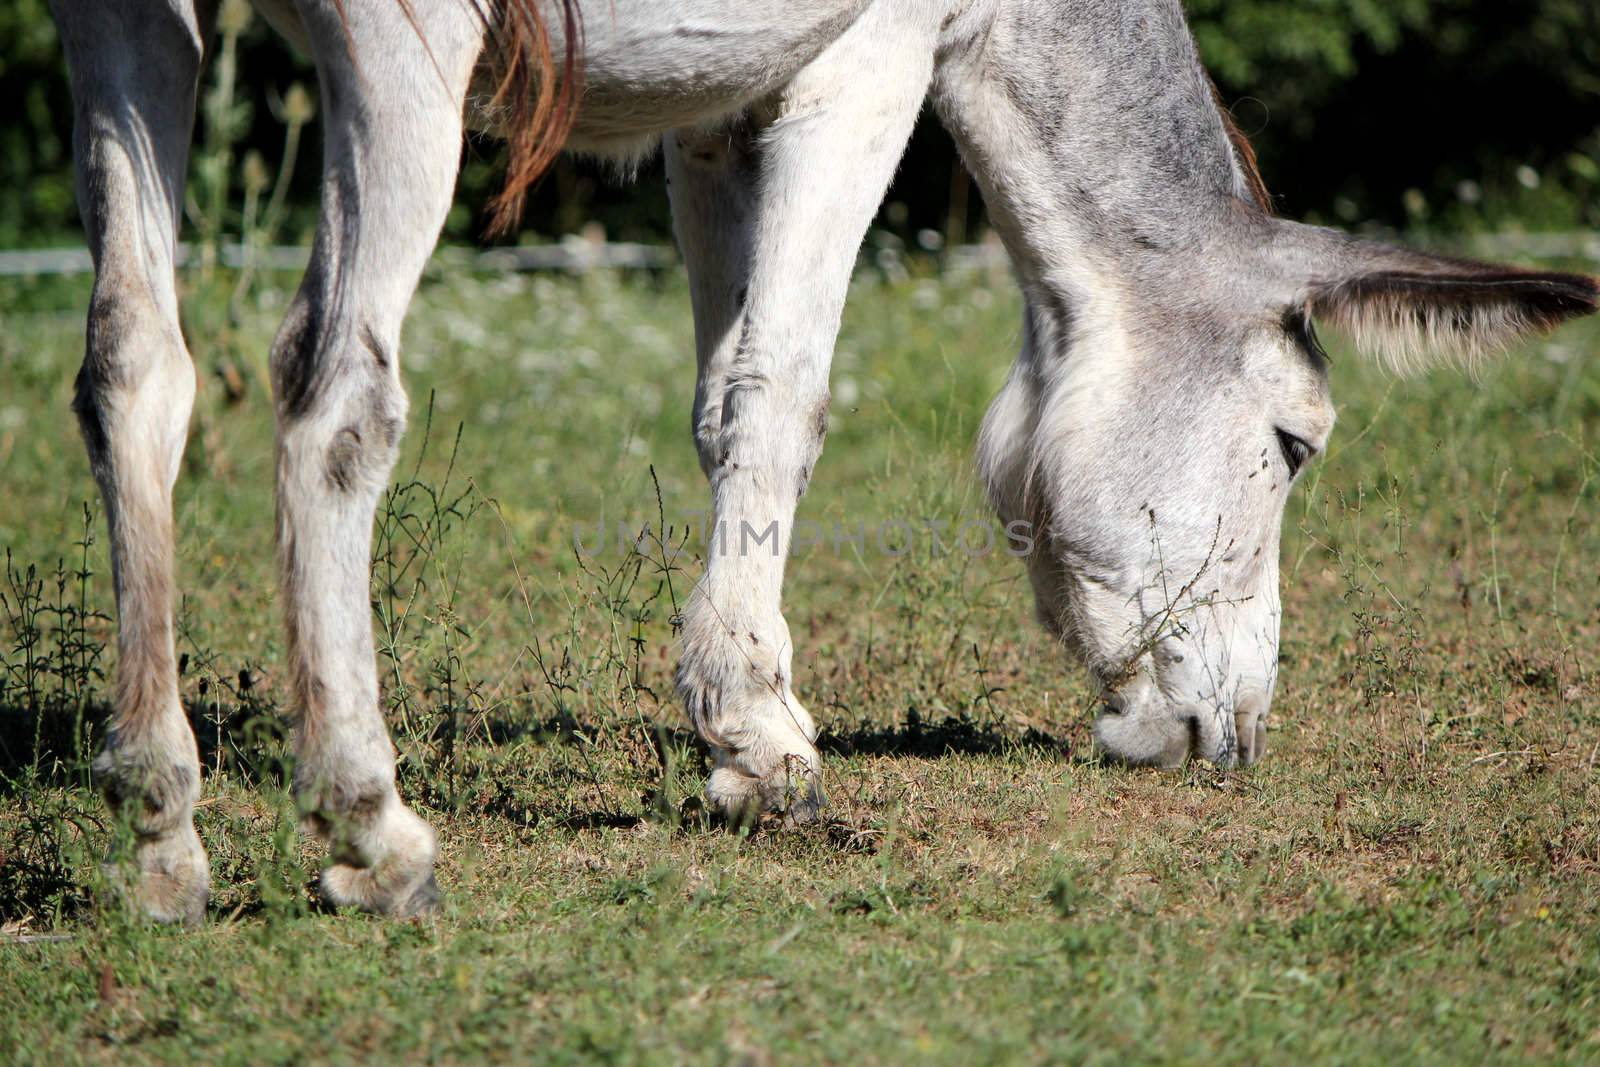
(1156,422)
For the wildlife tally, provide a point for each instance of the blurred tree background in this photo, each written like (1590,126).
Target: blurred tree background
(1449,114)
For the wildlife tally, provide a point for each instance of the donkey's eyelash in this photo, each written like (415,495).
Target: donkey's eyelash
(1312,340)
(1295,451)
(1297,324)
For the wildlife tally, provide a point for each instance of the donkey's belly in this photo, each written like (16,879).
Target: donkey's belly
(653,65)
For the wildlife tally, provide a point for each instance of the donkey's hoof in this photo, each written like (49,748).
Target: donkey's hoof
(806,809)
(367,888)
(793,792)
(399,880)
(169,880)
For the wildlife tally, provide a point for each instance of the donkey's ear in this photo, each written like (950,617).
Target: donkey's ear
(1452,310)
(1410,309)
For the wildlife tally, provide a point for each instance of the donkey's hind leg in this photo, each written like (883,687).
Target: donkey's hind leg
(770,216)
(393,115)
(134,67)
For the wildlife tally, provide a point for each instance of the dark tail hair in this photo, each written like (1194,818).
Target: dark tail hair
(540,102)
(540,106)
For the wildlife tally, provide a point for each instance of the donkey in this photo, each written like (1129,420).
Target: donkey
(1168,390)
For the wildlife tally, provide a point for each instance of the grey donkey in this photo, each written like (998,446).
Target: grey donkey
(1168,390)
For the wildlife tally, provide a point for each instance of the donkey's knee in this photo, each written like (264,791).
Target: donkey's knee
(340,405)
(706,428)
(135,389)
(770,430)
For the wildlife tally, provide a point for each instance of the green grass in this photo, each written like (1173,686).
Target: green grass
(1411,875)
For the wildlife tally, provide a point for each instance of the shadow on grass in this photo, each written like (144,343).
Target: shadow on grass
(952,735)
(54,745)
(48,744)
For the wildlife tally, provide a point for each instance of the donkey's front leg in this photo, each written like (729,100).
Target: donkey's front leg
(133,82)
(393,139)
(769,216)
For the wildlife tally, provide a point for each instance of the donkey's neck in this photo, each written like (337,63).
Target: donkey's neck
(1094,133)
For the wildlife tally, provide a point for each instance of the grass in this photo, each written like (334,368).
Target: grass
(1409,876)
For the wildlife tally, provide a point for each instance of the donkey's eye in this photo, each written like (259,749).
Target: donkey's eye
(1295,451)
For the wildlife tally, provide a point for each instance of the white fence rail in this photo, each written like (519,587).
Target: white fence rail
(578,255)
(570,256)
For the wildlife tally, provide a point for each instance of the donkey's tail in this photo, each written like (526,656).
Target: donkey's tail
(540,102)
